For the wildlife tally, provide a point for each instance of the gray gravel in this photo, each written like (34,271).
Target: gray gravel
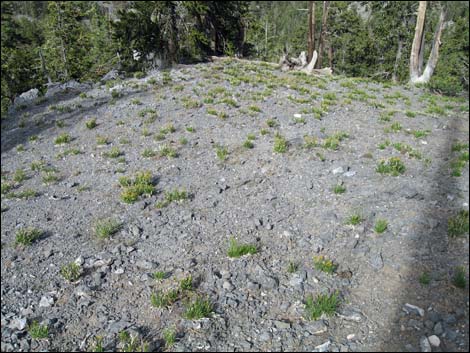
(282,203)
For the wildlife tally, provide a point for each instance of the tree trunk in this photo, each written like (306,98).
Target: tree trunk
(330,55)
(311,29)
(417,40)
(434,55)
(397,60)
(172,44)
(266,39)
(421,51)
(321,47)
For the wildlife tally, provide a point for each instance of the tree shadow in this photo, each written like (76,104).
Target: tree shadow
(12,135)
(429,250)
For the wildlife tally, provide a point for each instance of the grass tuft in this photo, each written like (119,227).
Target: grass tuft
(322,304)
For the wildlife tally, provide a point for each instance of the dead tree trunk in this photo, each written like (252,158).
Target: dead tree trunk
(311,29)
(321,47)
(417,41)
(415,75)
(330,55)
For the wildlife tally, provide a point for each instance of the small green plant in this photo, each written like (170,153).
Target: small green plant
(221,152)
(354,219)
(271,123)
(322,304)
(331,143)
(459,280)
(169,336)
(140,185)
(25,194)
(186,283)
(163,299)
(97,345)
(136,101)
(62,139)
(396,127)
(254,108)
(172,196)
(146,132)
(71,272)
(26,236)
(183,141)
(251,137)
(148,153)
(458,225)
(102,140)
(113,153)
(420,133)
(248,144)
(37,331)
(380,226)
(167,151)
(292,267)
(339,189)
(60,123)
(393,166)
(198,309)
(50,177)
(160,137)
(424,279)
(91,124)
(104,228)
(37,165)
(410,114)
(310,142)
(159,275)
(237,250)
(115,94)
(20,148)
(131,343)
(19,176)
(324,265)
(190,129)
(280,144)
(169,128)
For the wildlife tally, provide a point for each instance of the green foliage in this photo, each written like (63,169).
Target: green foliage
(62,139)
(459,224)
(355,219)
(37,331)
(280,144)
(380,226)
(26,236)
(198,309)
(459,280)
(141,184)
(163,299)
(169,336)
(322,304)
(393,166)
(106,227)
(424,279)
(324,265)
(71,272)
(237,250)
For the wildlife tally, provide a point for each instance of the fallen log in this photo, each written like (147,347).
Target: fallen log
(300,64)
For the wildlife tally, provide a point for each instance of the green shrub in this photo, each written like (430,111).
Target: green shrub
(322,304)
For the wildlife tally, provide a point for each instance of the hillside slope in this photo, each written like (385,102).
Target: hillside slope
(317,146)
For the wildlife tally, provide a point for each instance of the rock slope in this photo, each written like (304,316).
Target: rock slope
(306,193)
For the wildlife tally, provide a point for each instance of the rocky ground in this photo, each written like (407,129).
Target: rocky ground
(397,290)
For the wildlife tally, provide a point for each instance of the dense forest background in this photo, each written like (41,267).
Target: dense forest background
(56,41)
